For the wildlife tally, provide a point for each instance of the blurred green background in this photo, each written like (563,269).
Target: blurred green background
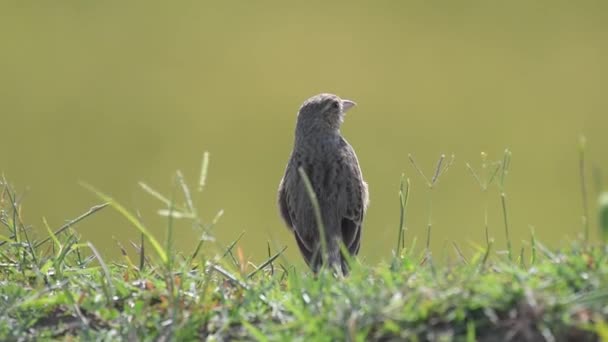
(115,92)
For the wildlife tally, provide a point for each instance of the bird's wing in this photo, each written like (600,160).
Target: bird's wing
(296,210)
(355,199)
(283,204)
(312,257)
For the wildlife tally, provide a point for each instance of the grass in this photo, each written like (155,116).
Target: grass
(60,287)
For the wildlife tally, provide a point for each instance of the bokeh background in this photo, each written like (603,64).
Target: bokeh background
(115,92)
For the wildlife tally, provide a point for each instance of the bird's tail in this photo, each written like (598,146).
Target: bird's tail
(335,260)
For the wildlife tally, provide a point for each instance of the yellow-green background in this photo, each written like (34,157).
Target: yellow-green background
(116,92)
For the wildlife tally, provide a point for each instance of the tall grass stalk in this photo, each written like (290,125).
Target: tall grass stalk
(404,194)
(584,199)
(133,219)
(317,211)
(504,171)
(533,246)
(169,233)
(107,285)
(202,180)
(484,178)
(72,222)
(431,184)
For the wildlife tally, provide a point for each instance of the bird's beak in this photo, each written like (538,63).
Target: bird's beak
(347,104)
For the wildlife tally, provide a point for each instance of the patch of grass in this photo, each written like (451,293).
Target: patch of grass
(60,287)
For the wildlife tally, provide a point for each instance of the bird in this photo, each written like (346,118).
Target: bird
(332,167)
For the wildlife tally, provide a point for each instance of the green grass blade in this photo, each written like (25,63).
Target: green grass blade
(603,215)
(204,167)
(317,211)
(255,332)
(131,218)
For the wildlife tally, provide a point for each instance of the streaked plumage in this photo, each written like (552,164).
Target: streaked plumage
(333,169)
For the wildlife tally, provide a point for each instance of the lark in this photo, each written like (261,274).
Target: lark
(332,167)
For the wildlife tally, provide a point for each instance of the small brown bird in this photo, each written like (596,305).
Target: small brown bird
(332,167)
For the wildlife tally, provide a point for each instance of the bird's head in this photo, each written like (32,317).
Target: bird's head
(323,111)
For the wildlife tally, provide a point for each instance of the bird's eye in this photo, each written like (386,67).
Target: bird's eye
(334,105)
